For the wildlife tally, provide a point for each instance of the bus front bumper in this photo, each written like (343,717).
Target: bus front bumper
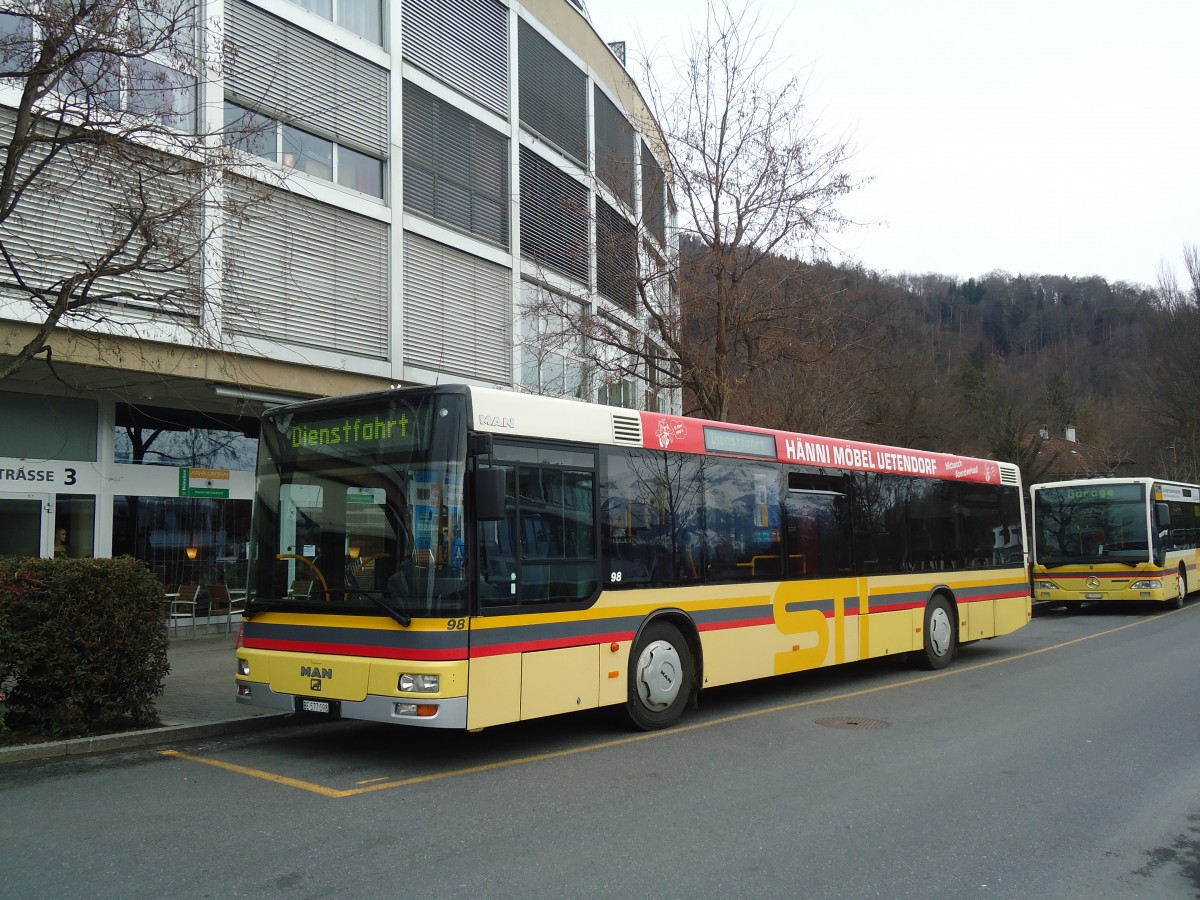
(451,712)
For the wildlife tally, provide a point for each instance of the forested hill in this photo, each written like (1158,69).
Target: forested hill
(976,366)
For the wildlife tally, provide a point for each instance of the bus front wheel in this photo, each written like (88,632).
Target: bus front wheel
(940,634)
(1181,589)
(660,677)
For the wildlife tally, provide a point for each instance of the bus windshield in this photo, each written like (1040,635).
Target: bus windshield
(360,509)
(1091,523)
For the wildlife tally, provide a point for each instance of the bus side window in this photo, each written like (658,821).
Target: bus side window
(818,525)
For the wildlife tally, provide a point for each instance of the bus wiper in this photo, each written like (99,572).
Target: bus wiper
(396,612)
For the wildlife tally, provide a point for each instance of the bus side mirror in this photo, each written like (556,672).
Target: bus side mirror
(489,494)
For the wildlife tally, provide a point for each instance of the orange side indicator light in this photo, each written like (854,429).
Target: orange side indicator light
(614,674)
(614,646)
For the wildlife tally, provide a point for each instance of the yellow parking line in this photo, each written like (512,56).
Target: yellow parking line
(255,773)
(386,785)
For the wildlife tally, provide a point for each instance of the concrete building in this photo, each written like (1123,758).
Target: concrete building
(423,171)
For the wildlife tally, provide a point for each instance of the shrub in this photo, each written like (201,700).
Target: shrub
(83,646)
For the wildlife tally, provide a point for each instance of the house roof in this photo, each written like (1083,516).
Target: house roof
(1073,459)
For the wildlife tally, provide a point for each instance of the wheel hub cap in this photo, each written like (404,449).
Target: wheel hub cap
(940,632)
(659,675)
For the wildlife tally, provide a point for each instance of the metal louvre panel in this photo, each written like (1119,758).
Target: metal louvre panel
(627,430)
(616,256)
(457,312)
(614,148)
(79,209)
(455,167)
(553,94)
(653,196)
(291,73)
(464,44)
(307,274)
(554,217)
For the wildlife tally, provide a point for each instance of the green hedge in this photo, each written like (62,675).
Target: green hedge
(83,645)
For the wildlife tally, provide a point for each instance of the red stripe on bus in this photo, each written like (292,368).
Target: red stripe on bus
(550,644)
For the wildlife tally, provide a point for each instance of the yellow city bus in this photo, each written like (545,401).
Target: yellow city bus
(1103,539)
(461,557)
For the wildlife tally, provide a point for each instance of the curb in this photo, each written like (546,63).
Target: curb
(127,740)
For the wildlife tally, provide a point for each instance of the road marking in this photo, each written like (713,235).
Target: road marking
(386,785)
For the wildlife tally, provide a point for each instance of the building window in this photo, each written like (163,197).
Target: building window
(359,172)
(614,148)
(554,217)
(551,344)
(618,382)
(363,17)
(657,364)
(553,94)
(307,153)
(162,94)
(616,257)
(147,435)
(50,427)
(463,44)
(617,391)
(264,137)
(455,167)
(653,196)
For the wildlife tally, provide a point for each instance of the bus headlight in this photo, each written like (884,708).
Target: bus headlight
(420,684)
(243,666)
(1047,586)
(1150,584)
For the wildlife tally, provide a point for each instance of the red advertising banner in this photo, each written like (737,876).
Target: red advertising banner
(699,436)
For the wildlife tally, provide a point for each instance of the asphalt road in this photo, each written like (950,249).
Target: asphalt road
(1059,762)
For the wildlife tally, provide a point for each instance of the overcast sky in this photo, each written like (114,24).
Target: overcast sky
(1032,136)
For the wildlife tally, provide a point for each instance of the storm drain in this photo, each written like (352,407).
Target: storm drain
(853,723)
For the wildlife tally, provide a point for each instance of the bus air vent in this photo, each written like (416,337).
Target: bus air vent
(1010,475)
(627,430)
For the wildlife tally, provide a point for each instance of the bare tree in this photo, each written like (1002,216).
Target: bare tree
(108,206)
(1171,383)
(755,182)
(754,187)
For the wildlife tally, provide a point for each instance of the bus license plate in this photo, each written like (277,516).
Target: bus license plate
(1093,596)
(329,708)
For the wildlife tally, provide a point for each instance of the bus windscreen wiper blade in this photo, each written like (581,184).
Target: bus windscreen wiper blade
(396,612)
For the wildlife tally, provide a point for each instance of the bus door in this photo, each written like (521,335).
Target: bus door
(299,533)
(26,524)
(819,605)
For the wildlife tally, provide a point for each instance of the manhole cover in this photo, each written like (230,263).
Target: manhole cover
(853,723)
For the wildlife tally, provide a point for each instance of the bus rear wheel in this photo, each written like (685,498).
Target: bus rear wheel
(940,634)
(661,673)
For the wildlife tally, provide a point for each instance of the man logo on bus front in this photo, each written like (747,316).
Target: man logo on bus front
(668,432)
